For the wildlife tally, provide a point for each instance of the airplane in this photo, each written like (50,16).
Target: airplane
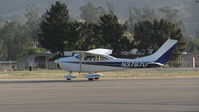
(100,60)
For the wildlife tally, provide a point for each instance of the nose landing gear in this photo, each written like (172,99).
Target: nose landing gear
(69,76)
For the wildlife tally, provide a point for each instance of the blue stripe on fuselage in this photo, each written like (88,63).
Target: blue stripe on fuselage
(119,64)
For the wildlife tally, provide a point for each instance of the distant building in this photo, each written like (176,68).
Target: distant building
(8,65)
(39,60)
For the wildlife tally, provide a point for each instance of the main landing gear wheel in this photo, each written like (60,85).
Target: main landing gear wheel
(90,79)
(92,76)
(97,78)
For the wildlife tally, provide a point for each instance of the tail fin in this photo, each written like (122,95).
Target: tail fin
(166,49)
(162,54)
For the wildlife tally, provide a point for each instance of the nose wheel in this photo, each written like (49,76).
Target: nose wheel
(69,77)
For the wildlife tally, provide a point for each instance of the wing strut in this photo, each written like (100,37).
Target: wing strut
(80,61)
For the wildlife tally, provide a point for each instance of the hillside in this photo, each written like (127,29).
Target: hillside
(12,9)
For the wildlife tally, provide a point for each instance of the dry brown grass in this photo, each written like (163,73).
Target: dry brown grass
(129,74)
(139,74)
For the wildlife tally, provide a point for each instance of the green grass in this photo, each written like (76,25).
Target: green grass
(129,74)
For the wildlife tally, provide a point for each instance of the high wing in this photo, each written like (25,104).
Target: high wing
(99,51)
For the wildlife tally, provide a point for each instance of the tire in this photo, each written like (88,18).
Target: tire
(90,79)
(97,78)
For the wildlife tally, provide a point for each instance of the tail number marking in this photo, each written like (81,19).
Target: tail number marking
(134,64)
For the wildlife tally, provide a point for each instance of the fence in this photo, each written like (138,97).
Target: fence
(183,64)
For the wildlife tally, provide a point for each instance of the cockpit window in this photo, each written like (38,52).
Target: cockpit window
(94,57)
(89,58)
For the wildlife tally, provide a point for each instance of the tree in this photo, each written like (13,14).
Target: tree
(3,50)
(145,14)
(31,29)
(20,39)
(149,36)
(54,28)
(90,13)
(74,31)
(15,43)
(88,37)
(111,34)
(193,44)
(110,8)
(131,20)
(84,36)
(140,14)
(170,14)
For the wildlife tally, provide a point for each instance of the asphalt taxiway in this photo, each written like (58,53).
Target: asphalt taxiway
(119,95)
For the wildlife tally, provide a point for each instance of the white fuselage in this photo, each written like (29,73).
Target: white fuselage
(73,64)
(99,60)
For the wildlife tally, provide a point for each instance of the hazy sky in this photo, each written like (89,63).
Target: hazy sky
(11,7)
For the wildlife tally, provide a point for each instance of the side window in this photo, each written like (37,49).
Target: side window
(89,58)
(101,58)
(94,58)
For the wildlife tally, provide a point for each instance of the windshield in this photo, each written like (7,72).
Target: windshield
(76,56)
